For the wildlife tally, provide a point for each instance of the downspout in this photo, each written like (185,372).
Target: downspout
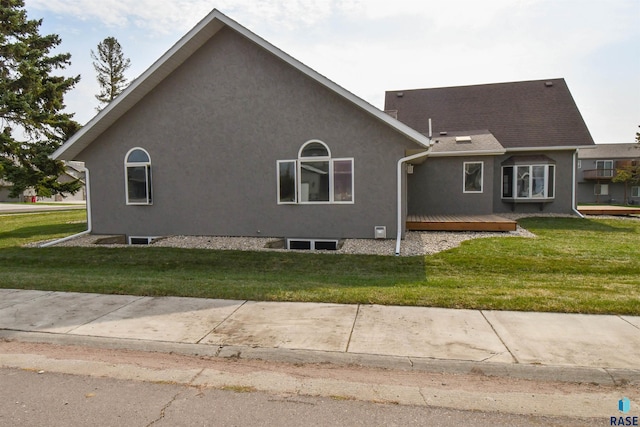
(574,204)
(89,227)
(400,170)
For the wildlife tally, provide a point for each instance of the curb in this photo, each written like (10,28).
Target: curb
(568,374)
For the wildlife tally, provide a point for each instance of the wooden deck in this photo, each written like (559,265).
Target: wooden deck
(459,223)
(608,210)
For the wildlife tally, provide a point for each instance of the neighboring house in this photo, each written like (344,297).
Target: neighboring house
(499,148)
(226,135)
(597,168)
(73,171)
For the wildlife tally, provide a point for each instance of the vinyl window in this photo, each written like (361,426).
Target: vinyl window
(315,177)
(137,166)
(473,172)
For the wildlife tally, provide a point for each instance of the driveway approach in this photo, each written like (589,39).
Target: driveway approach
(576,347)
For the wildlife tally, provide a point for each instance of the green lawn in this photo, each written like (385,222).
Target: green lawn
(574,265)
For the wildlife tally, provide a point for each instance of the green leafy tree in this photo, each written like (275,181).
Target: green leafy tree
(32,121)
(628,174)
(110,65)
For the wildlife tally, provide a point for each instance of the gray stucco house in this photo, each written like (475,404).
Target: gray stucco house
(599,165)
(226,135)
(498,148)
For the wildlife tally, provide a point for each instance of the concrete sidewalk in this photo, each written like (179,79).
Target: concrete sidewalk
(570,347)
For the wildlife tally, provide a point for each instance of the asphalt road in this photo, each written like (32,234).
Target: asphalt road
(30,398)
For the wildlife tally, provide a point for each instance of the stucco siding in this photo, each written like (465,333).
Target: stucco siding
(214,130)
(436,187)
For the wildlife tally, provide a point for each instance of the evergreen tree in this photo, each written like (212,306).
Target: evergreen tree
(32,123)
(110,64)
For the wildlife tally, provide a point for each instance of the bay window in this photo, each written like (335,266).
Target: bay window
(528,182)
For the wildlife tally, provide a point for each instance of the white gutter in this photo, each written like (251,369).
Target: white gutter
(89,227)
(400,170)
(574,204)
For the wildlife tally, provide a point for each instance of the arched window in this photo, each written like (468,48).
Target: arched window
(315,177)
(137,166)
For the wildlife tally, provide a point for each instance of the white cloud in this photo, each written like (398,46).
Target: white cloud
(159,16)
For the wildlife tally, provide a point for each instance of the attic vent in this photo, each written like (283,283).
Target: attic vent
(400,94)
(548,84)
(463,139)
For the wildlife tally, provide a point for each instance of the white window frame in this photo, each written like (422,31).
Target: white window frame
(148,186)
(295,180)
(299,162)
(464,178)
(529,197)
(601,187)
(635,191)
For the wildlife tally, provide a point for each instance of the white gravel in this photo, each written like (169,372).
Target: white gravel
(415,243)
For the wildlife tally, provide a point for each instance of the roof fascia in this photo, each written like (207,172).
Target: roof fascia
(467,153)
(179,53)
(558,148)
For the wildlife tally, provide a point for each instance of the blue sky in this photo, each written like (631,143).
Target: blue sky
(369,46)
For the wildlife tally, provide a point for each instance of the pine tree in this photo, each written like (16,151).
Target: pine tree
(110,65)
(32,121)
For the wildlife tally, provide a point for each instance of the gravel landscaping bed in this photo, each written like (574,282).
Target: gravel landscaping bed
(415,243)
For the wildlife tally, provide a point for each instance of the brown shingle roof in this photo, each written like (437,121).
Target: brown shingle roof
(534,114)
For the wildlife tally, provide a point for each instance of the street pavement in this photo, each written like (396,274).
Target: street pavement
(596,349)
(13,208)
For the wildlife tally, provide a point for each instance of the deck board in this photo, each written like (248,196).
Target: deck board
(608,210)
(459,223)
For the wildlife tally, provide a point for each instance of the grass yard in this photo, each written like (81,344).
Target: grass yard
(574,265)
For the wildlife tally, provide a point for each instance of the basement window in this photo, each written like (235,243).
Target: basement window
(313,244)
(139,240)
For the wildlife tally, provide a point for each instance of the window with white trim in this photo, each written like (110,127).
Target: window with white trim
(601,189)
(528,182)
(472,178)
(315,177)
(635,191)
(137,167)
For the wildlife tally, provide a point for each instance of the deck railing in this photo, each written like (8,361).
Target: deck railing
(599,173)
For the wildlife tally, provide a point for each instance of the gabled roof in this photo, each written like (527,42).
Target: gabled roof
(611,152)
(531,114)
(180,52)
